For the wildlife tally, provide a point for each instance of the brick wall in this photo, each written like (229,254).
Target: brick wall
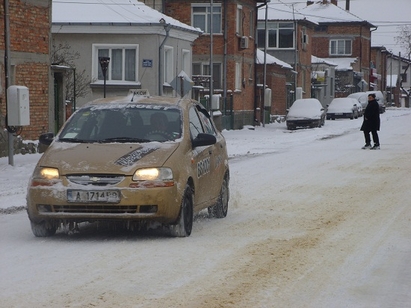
(29,59)
(243,101)
(360,35)
(276,81)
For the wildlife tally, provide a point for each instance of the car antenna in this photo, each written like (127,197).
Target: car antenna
(132,98)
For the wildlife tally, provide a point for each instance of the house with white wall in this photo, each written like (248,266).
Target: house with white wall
(146,49)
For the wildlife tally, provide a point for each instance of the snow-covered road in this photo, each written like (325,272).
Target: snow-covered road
(313,222)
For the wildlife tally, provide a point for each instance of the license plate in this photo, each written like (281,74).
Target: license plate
(111,196)
(338,113)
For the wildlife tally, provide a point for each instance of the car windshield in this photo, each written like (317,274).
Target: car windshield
(139,123)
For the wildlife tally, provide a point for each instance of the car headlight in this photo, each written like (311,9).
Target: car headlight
(153,174)
(46,173)
(45,176)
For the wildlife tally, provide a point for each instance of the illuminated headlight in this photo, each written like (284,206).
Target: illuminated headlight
(153,174)
(46,173)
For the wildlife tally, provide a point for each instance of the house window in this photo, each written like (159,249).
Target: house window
(304,39)
(168,64)
(340,47)
(280,35)
(404,77)
(238,76)
(204,69)
(186,61)
(239,21)
(201,17)
(123,62)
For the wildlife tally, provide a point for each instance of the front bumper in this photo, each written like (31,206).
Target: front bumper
(303,123)
(50,203)
(340,115)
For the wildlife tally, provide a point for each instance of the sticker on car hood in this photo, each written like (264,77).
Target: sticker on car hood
(132,157)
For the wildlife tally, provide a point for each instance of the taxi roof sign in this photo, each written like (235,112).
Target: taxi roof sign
(138,92)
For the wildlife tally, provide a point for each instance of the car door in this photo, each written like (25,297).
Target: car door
(217,156)
(201,162)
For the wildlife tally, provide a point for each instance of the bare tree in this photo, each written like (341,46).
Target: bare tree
(62,54)
(404,39)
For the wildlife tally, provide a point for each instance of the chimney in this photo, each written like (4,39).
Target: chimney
(310,2)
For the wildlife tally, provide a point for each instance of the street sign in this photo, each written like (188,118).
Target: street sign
(182,84)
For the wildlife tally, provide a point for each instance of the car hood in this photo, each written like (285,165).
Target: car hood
(121,158)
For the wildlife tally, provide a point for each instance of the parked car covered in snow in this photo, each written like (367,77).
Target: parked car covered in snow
(343,107)
(305,112)
(362,97)
(138,160)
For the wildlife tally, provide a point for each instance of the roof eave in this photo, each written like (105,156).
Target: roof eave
(115,24)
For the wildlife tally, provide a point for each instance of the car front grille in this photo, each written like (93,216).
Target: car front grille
(97,180)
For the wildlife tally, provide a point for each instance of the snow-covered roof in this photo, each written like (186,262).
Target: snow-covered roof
(317,60)
(281,11)
(343,64)
(329,13)
(270,60)
(113,12)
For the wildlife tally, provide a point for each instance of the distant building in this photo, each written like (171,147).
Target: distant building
(342,35)
(288,38)
(277,74)
(323,80)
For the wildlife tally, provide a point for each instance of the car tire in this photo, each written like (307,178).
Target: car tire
(185,220)
(220,209)
(43,229)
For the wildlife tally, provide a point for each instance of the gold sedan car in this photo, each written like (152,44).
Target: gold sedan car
(140,160)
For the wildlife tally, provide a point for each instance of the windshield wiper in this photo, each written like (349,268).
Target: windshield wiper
(75,140)
(124,139)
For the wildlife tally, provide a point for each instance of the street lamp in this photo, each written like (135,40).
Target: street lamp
(104,62)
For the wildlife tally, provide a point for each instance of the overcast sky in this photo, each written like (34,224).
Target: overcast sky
(387,15)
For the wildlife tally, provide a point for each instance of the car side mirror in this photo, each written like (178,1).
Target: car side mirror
(203,140)
(46,138)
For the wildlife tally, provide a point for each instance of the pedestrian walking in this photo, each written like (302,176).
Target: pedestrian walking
(371,123)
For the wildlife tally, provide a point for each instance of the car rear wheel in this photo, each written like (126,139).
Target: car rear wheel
(220,209)
(184,223)
(43,229)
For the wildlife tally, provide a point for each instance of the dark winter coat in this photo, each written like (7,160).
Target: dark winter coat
(371,117)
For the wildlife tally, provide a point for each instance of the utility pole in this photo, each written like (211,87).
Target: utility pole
(7,71)
(211,58)
(400,79)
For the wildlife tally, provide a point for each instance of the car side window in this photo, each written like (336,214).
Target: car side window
(195,123)
(208,125)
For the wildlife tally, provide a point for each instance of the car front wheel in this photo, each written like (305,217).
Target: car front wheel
(184,223)
(43,229)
